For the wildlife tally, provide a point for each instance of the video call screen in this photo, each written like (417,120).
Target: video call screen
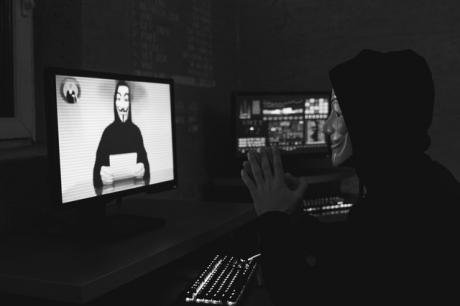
(293,122)
(113,135)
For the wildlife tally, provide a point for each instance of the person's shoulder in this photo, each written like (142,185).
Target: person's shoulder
(108,128)
(135,128)
(442,173)
(444,182)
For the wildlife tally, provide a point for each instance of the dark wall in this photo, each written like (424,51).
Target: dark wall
(58,43)
(292,44)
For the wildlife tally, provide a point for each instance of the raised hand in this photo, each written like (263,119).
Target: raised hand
(291,181)
(270,188)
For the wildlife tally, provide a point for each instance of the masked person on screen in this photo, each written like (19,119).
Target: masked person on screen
(398,242)
(121,136)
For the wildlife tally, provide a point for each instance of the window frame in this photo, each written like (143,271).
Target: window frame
(6,53)
(22,125)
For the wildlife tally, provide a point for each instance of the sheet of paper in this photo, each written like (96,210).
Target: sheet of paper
(122,165)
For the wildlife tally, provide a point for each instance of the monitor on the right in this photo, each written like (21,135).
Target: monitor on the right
(293,121)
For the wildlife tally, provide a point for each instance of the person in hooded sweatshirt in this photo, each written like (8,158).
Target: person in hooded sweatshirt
(397,244)
(121,136)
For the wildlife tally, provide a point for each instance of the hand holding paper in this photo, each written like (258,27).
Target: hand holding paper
(139,170)
(106,175)
(125,166)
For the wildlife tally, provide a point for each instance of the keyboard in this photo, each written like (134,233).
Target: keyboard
(332,205)
(222,282)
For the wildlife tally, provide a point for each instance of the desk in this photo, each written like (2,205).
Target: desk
(59,269)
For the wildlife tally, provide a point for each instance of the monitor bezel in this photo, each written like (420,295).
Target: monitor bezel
(312,152)
(54,175)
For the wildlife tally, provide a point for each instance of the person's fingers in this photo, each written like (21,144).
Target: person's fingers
(255,167)
(303,185)
(266,167)
(291,181)
(106,175)
(247,167)
(106,179)
(103,169)
(270,155)
(289,176)
(249,183)
(277,163)
(138,170)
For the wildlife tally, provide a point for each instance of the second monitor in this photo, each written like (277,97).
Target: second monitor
(293,121)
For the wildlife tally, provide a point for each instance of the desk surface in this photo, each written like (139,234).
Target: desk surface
(59,269)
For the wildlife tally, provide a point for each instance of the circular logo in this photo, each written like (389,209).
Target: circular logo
(70,90)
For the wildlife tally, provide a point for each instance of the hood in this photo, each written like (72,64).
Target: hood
(387,103)
(115,113)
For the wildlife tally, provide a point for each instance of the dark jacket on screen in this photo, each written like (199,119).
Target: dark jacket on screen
(398,243)
(117,138)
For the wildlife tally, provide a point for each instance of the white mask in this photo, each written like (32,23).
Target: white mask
(122,102)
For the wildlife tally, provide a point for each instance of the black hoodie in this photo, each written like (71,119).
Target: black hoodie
(397,243)
(117,138)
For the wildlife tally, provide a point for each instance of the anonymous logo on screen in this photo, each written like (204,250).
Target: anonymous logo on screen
(70,90)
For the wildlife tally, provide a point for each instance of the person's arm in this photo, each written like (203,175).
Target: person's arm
(102,160)
(286,272)
(288,277)
(142,157)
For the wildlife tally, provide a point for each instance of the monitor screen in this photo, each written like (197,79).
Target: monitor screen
(112,134)
(292,121)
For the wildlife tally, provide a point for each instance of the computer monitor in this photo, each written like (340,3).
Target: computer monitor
(109,135)
(291,120)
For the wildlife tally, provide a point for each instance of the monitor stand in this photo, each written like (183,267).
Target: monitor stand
(94,222)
